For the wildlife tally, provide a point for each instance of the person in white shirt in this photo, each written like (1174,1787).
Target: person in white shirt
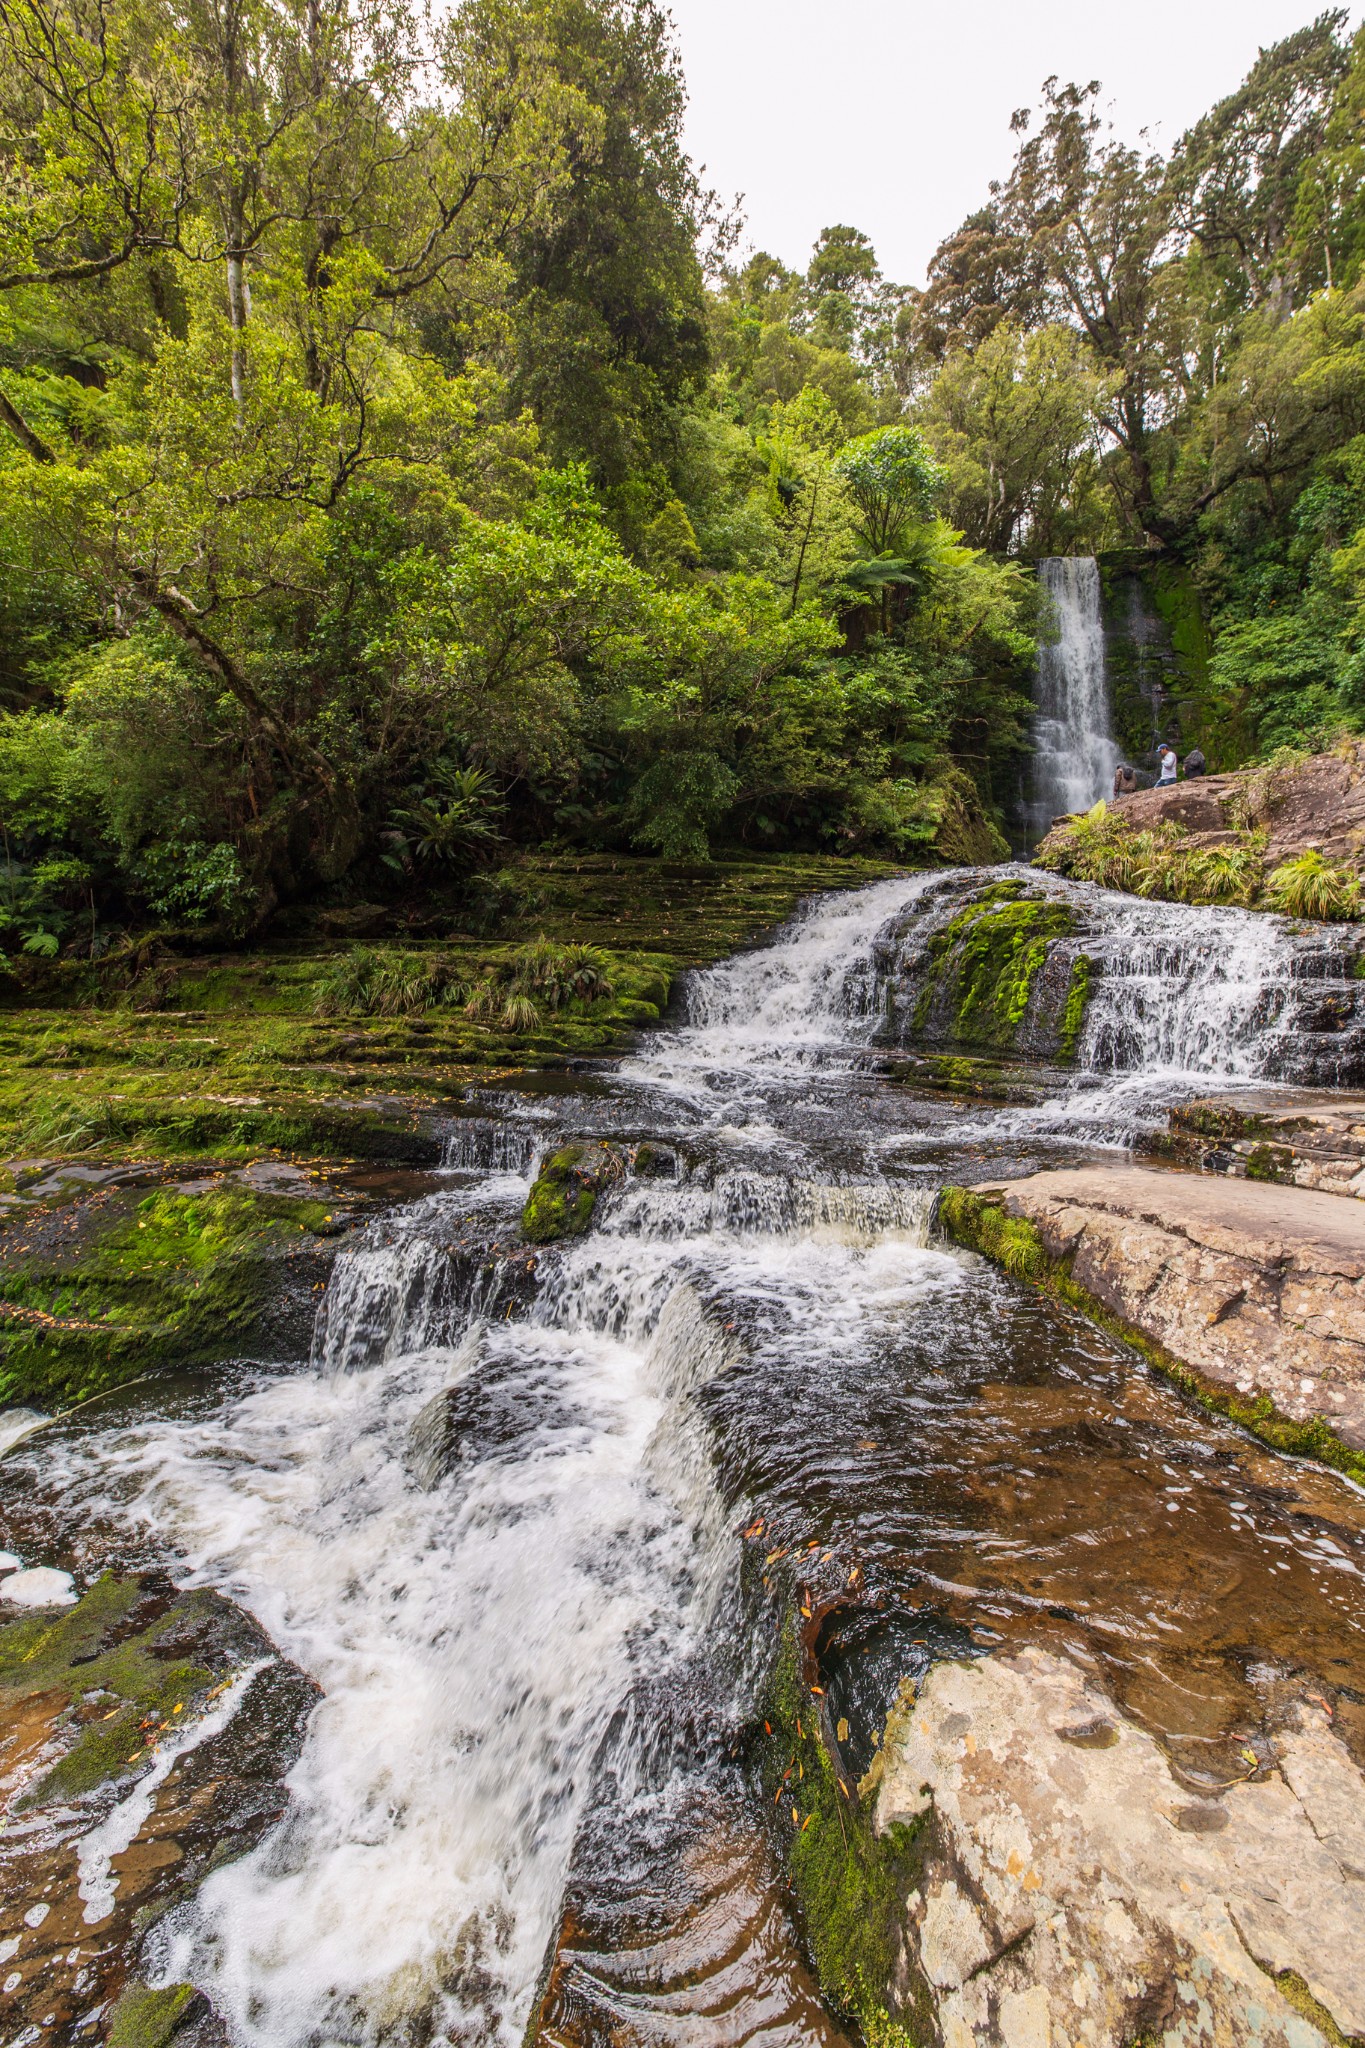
(1168,767)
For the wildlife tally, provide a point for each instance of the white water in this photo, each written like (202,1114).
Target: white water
(474,1639)
(1075,753)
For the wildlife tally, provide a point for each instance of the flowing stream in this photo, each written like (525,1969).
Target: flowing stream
(498,1516)
(1075,751)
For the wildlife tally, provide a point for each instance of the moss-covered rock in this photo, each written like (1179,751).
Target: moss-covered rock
(89,1698)
(565,1191)
(97,1295)
(850,1882)
(143,2018)
(984,977)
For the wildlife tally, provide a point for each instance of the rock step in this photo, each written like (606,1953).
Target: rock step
(1258,1288)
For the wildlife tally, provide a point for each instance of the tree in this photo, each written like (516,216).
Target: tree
(1016,425)
(1098,216)
(892,479)
(1235,176)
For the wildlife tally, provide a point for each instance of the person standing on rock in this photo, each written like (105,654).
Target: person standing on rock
(1169,765)
(1125,780)
(1194,762)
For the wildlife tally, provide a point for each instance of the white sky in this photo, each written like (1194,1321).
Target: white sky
(893,115)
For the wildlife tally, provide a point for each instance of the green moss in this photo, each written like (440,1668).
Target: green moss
(850,1882)
(1296,1994)
(143,1691)
(179,1283)
(564,1193)
(1077,998)
(1270,1162)
(1011,1242)
(143,2018)
(985,1227)
(986,961)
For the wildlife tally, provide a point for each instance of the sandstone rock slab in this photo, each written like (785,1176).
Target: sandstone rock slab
(1075,1895)
(1259,1288)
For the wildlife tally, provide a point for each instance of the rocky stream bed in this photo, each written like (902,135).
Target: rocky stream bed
(689,1595)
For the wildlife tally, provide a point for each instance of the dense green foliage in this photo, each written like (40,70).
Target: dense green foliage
(384,484)
(398,467)
(1128,351)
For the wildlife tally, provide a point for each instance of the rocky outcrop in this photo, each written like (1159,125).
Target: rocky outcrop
(1303,1138)
(145,1738)
(1259,1289)
(1314,804)
(565,1191)
(1072,1890)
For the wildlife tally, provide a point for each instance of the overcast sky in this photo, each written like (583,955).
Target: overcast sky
(893,115)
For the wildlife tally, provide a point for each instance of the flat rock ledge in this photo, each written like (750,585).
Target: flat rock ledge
(1304,1137)
(1073,1894)
(1259,1288)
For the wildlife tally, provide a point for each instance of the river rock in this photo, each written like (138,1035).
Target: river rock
(1257,1287)
(1073,1892)
(1309,1137)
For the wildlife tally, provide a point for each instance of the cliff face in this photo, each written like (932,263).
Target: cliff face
(1156,648)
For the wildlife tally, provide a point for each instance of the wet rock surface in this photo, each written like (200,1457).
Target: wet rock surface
(145,1735)
(1258,1287)
(1072,1890)
(1308,1138)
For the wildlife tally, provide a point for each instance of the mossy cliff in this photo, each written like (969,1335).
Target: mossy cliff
(1157,650)
(983,1225)
(996,979)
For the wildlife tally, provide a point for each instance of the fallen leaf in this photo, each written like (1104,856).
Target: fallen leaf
(842,1730)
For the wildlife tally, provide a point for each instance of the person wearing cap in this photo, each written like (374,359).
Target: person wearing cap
(1169,765)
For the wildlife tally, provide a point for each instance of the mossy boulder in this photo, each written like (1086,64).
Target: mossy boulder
(999,977)
(565,1191)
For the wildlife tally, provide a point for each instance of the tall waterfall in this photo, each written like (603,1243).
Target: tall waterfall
(1075,755)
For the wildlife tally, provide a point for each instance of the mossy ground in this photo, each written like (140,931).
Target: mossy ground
(225,1056)
(94,1297)
(985,961)
(170,1056)
(1013,1243)
(850,1882)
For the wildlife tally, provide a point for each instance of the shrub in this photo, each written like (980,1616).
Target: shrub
(380,984)
(1310,886)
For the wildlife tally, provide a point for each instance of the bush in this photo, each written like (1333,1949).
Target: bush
(1310,886)
(376,984)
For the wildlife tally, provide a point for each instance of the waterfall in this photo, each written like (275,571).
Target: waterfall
(498,1518)
(1075,753)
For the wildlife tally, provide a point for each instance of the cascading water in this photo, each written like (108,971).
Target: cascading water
(497,1516)
(1074,748)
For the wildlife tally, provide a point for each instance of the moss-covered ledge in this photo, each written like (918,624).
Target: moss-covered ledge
(978,1220)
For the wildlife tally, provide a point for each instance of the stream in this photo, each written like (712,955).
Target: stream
(500,1515)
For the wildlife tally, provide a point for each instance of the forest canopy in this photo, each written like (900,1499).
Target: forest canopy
(403,463)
